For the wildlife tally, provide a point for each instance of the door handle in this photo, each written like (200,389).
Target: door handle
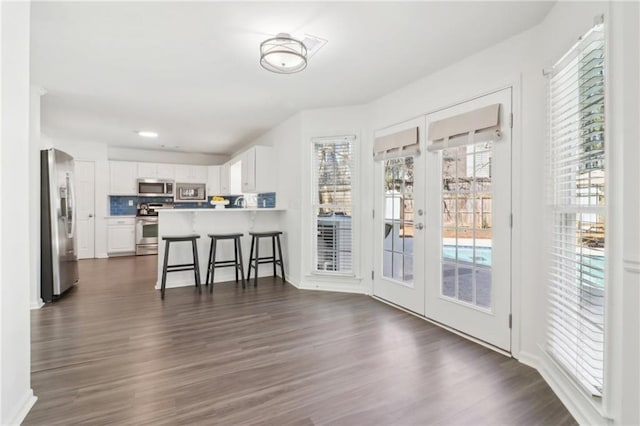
(419,226)
(420,212)
(90,215)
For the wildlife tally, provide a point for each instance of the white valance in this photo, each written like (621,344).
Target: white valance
(479,125)
(400,144)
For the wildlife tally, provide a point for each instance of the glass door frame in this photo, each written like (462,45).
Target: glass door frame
(407,296)
(490,326)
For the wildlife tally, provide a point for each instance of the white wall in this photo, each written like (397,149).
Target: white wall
(624,223)
(34,195)
(16,396)
(286,139)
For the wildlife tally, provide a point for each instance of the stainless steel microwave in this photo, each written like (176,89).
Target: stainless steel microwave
(191,192)
(155,188)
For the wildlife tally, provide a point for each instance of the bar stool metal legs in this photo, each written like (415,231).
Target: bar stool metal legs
(236,262)
(166,268)
(255,259)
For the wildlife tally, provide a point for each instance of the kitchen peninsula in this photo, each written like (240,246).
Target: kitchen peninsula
(203,221)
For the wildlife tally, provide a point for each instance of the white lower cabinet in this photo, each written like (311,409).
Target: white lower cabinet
(121,235)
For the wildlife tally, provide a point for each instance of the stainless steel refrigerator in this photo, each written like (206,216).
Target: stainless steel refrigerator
(59,259)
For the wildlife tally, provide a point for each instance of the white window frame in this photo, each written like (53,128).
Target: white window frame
(559,212)
(354,206)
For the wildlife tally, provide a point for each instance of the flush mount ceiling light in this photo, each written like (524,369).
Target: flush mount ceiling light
(283,54)
(147,134)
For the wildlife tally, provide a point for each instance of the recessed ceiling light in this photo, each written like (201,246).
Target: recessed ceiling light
(147,134)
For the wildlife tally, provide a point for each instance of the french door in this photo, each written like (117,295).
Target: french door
(399,246)
(460,244)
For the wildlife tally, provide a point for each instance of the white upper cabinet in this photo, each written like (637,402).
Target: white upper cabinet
(258,171)
(225,180)
(122,177)
(155,171)
(186,173)
(213,181)
(166,171)
(147,170)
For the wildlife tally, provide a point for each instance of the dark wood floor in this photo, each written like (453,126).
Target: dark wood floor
(112,352)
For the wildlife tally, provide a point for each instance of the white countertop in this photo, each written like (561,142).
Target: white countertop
(208,210)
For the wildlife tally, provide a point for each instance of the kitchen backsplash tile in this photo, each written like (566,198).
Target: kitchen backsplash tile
(119,205)
(267,200)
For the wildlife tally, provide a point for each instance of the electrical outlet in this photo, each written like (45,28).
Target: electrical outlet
(131,202)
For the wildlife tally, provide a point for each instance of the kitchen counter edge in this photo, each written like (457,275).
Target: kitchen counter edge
(207,210)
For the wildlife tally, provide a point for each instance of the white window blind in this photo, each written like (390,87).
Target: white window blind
(577,181)
(333,208)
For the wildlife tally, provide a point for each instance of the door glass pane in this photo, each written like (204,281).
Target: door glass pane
(449,279)
(398,220)
(466,224)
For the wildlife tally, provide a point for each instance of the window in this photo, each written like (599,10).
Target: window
(398,220)
(333,204)
(578,206)
(467,223)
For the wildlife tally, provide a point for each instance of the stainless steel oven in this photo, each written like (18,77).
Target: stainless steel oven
(146,235)
(147,227)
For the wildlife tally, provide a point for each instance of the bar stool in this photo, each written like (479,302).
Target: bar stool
(237,257)
(183,266)
(255,260)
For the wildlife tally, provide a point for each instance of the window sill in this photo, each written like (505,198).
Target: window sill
(332,277)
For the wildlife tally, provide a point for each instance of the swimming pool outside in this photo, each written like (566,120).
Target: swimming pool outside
(483,256)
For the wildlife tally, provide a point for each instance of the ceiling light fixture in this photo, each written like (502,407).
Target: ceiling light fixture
(283,54)
(147,134)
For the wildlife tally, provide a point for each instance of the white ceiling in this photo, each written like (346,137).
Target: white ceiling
(190,71)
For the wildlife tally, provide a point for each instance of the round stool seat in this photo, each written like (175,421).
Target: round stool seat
(265,233)
(180,238)
(225,236)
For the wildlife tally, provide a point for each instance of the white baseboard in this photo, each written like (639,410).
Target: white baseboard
(318,286)
(576,402)
(37,304)
(529,359)
(22,410)
(295,284)
(223,276)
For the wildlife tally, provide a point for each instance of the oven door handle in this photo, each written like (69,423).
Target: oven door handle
(148,220)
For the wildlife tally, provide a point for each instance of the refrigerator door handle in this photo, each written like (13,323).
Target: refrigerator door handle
(72,201)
